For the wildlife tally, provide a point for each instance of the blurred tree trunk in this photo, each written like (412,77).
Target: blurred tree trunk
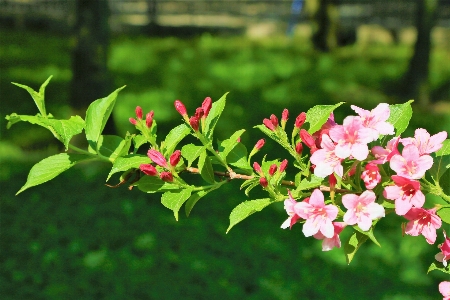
(325,19)
(416,78)
(91,80)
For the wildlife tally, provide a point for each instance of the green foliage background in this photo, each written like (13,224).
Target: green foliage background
(74,238)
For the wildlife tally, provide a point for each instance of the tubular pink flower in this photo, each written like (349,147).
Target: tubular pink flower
(362,209)
(289,207)
(424,142)
(206,106)
(351,138)
(406,193)
(423,221)
(383,155)
(444,289)
(444,255)
(326,160)
(371,176)
(175,158)
(329,243)
(375,120)
(148,169)
(411,164)
(318,216)
(157,158)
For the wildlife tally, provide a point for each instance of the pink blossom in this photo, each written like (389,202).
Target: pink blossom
(444,255)
(406,193)
(318,215)
(362,209)
(329,243)
(157,158)
(423,221)
(351,138)
(371,176)
(411,164)
(383,155)
(289,207)
(444,289)
(326,160)
(375,120)
(424,142)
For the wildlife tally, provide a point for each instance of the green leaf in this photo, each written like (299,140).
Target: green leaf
(113,146)
(306,184)
(369,233)
(193,199)
(355,241)
(153,184)
(445,150)
(205,167)
(400,116)
(66,129)
(227,145)
(439,266)
(125,163)
(174,200)
(238,158)
(191,152)
(173,138)
(139,140)
(50,167)
(251,186)
(318,115)
(246,209)
(15,118)
(214,115)
(97,114)
(39,98)
(444,214)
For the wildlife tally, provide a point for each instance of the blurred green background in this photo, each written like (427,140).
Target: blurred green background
(74,238)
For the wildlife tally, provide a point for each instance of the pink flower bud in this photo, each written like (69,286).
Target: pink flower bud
(206,106)
(283,165)
(148,169)
(175,158)
(193,121)
(166,176)
(257,168)
(307,139)
(274,120)
(263,182)
(149,119)
(157,158)
(133,121)
(285,115)
(198,113)
(138,112)
(179,106)
(260,144)
(269,124)
(299,148)
(332,180)
(300,120)
(272,169)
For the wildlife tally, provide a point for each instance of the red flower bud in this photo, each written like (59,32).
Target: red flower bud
(166,176)
(272,169)
(299,148)
(274,120)
(149,119)
(157,158)
(206,106)
(285,115)
(198,113)
(257,168)
(263,182)
(193,121)
(260,144)
(133,121)
(283,165)
(332,180)
(175,158)
(269,124)
(148,169)
(138,112)
(179,106)
(300,120)
(308,140)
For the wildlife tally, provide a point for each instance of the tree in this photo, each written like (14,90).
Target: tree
(325,17)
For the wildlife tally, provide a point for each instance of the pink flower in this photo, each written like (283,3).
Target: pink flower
(406,193)
(423,221)
(375,120)
(362,209)
(326,160)
(351,138)
(318,215)
(329,243)
(383,155)
(444,289)
(289,207)
(424,142)
(411,164)
(444,255)
(371,176)
(157,158)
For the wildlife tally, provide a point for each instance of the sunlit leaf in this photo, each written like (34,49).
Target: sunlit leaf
(318,115)
(245,209)
(174,200)
(38,97)
(214,115)
(125,163)
(352,245)
(400,116)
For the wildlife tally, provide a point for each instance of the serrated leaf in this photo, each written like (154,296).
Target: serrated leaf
(400,116)
(318,115)
(97,114)
(38,97)
(439,266)
(352,245)
(50,167)
(214,115)
(306,184)
(66,129)
(174,200)
(227,145)
(153,184)
(125,163)
(245,209)
(191,152)
(445,150)
(113,146)
(205,167)
(173,138)
(238,158)
(444,214)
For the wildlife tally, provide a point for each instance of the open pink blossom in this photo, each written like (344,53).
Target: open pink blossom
(411,164)
(351,138)
(383,155)
(424,142)
(329,243)
(444,255)
(444,289)
(371,176)
(375,120)
(318,215)
(406,193)
(326,160)
(289,207)
(423,221)
(362,209)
